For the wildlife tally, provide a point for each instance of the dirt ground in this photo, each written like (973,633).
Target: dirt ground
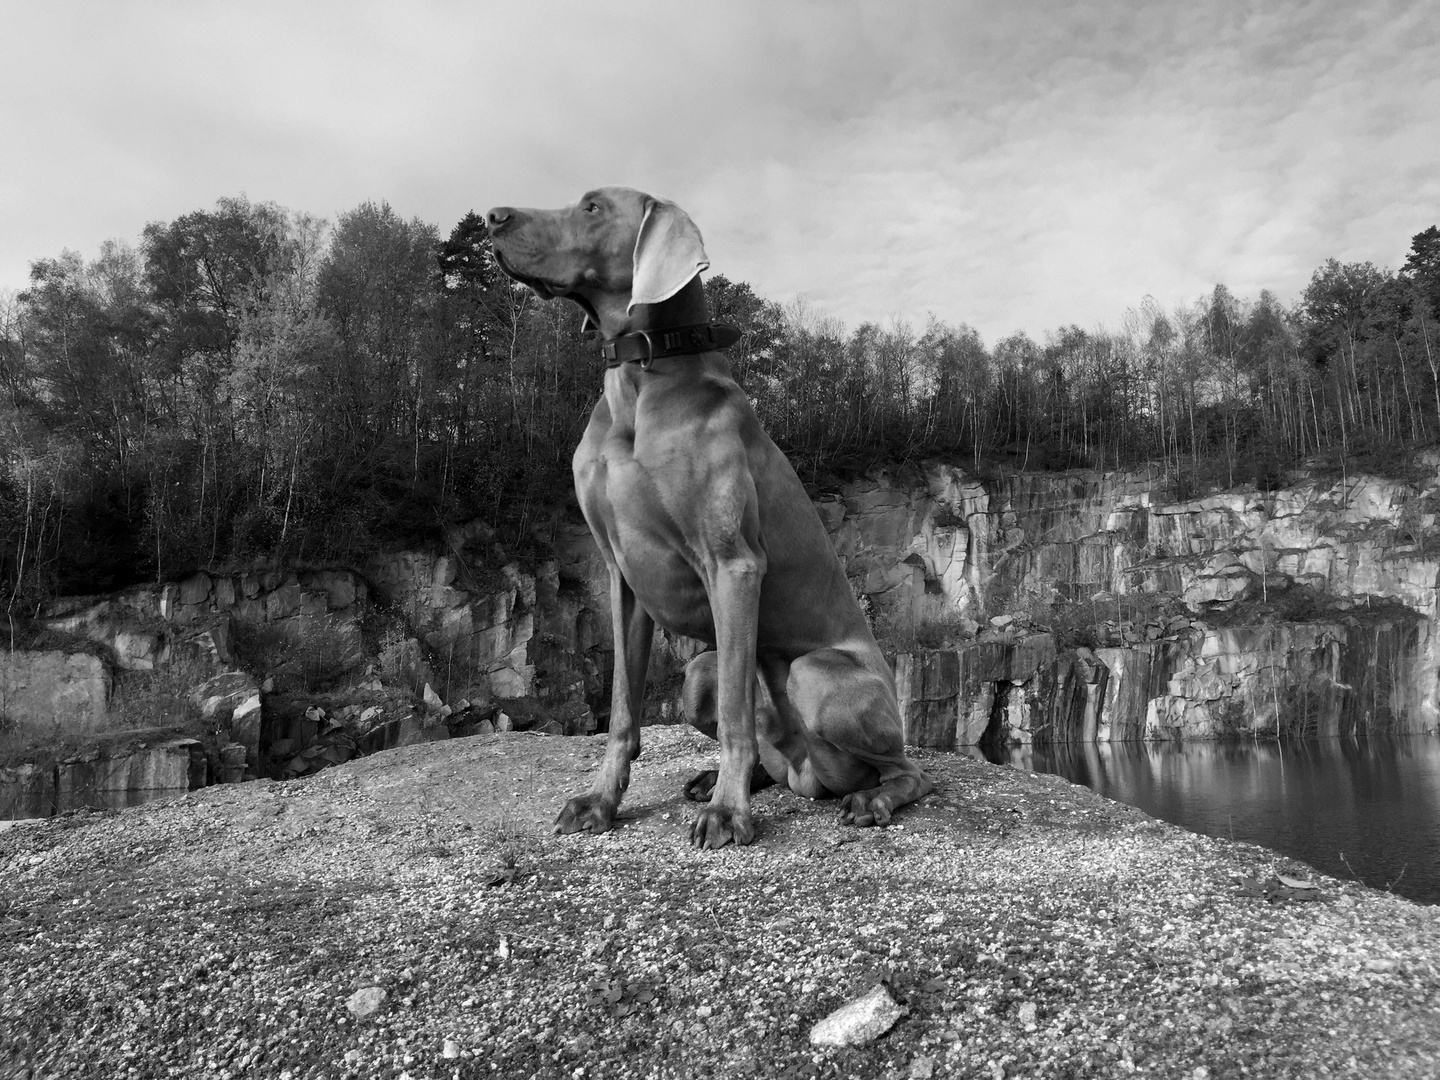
(1029,928)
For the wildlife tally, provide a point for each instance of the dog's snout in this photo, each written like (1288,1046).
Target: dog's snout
(498,217)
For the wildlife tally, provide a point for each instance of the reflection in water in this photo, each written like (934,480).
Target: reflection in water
(1354,808)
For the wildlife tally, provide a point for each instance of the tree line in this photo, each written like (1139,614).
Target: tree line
(254,383)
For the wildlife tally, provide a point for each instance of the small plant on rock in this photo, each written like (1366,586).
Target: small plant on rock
(159,698)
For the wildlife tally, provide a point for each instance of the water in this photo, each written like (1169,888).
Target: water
(19,801)
(1354,808)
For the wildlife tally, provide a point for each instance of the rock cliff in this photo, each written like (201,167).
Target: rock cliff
(1310,610)
(1018,608)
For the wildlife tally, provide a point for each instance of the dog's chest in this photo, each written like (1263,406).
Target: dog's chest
(636,516)
(635,513)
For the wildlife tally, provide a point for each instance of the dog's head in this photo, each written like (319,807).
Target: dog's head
(613,249)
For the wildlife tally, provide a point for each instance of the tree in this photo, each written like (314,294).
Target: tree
(377,287)
(1421,273)
(761,324)
(16,377)
(955,372)
(201,270)
(479,306)
(1422,266)
(252,383)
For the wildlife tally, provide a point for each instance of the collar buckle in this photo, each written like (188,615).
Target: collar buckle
(644,347)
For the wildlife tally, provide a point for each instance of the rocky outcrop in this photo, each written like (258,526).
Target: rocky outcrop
(460,649)
(1311,610)
(54,687)
(980,544)
(150,625)
(1296,679)
(480,636)
(232,701)
(958,697)
(937,544)
(1363,656)
(498,635)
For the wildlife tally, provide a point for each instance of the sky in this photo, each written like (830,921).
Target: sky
(1013,166)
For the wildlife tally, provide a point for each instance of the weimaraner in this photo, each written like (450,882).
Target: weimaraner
(707,530)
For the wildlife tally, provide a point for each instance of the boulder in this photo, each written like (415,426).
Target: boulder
(342,588)
(195,589)
(213,642)
(137,650)
(283,602)
(232,700)
(71,689)
(231,763)
(225,695)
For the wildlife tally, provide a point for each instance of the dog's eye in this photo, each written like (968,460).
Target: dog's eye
(592,208)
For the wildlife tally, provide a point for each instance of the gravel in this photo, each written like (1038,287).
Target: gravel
(1029,927)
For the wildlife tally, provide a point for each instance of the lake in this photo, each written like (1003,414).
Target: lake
(1366,809)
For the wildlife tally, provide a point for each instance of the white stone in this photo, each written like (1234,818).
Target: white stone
(860,1021)
(365,1001)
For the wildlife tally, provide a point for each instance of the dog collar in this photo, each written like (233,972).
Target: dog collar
(643,346)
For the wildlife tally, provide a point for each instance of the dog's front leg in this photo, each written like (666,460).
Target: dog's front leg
(634,630)
(735,602)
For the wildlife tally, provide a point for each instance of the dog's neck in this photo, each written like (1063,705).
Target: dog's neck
(686,308)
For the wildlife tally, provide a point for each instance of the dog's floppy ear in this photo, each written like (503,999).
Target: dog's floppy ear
(668,253)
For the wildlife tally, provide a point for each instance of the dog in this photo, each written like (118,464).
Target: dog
(707,531)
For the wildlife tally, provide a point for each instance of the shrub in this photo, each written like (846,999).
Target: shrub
(307,657)
(931,623)
(158,698)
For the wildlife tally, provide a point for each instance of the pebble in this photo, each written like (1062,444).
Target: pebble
(363,1003)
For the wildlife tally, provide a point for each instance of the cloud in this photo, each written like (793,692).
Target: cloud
(1010,166)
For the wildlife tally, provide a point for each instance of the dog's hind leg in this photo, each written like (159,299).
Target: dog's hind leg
(856,744)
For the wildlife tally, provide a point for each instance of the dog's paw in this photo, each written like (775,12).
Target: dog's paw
(699,789)
(715,826)
(703,785)
(864,808)
(585,813)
